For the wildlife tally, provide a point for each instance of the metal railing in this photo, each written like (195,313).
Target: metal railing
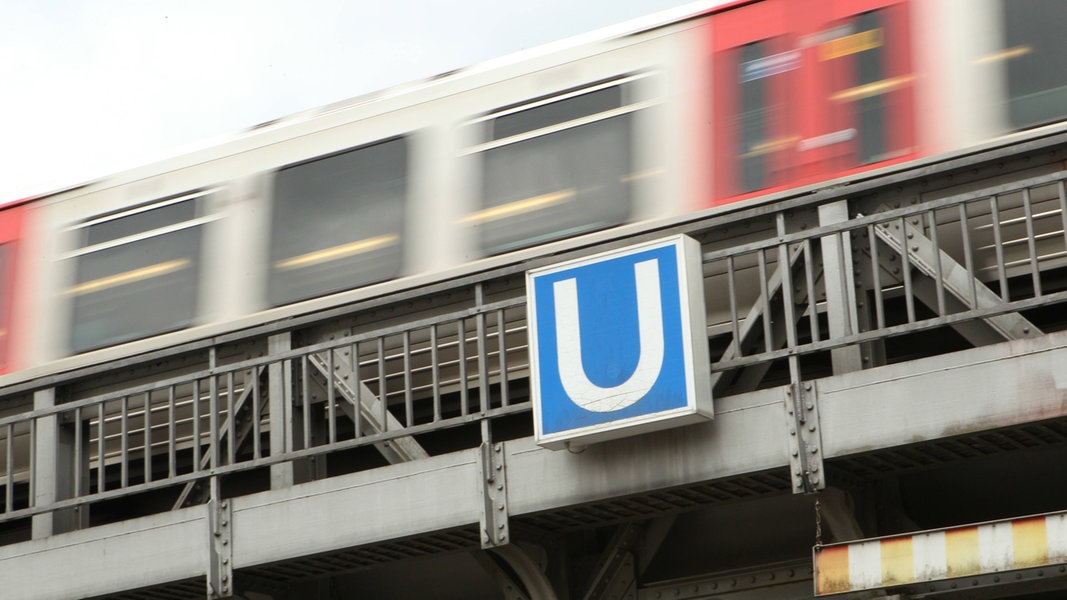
(823,294)
(433,373)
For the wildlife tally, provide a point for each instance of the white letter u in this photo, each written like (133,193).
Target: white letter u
(585,393)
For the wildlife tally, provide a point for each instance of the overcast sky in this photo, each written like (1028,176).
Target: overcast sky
(90,87)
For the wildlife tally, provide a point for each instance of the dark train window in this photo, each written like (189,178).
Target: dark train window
(560,167)
(337,222)
(1035,59)
(757,111)
(137,273)
(757,104)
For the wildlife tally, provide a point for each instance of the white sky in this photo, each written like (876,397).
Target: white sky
(90,87)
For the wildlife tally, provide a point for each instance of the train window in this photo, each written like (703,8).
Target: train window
(136,273)
(337,222)
(869,80)
(555,168)
(1035,58)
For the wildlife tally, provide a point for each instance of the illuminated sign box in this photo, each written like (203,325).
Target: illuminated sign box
(618,343)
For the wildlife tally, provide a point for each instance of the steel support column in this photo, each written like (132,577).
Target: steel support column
(220,547)
(280,392)
(805,437)
(53,470)
(840,287)
(494,518)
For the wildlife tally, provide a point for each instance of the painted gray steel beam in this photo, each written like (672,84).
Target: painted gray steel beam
(395,501)
(840,293)
(745,436)
(1001,385)
(945,271)
(127,555)
(369,406)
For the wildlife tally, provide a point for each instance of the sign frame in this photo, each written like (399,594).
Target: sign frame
(570,409)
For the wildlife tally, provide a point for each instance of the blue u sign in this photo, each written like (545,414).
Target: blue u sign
(618,343)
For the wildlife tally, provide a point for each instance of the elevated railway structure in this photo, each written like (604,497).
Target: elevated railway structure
(888,357)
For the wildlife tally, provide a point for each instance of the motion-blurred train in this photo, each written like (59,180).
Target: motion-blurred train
(710,104)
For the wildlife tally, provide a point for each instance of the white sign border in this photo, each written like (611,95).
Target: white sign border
(699,405)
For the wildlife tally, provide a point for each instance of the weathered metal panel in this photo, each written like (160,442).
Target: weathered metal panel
(361,508)
(745,436)
(109,558)
(994,386)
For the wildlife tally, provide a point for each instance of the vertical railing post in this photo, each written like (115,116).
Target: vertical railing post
(53,470)
(279,393)
(840,287)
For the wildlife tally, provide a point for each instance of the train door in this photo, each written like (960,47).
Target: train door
(806,91)
(756,66)
(10,235)
(865,109)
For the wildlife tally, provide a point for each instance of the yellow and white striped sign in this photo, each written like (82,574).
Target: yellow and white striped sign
(943,554)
